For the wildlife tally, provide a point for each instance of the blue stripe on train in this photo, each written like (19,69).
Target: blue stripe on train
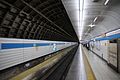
(115,36)
(21,45)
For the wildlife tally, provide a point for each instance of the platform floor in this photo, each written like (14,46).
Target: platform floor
(100,68)
(77,71)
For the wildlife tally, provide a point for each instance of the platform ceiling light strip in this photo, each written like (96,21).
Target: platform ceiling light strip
(81,14)
(106,2)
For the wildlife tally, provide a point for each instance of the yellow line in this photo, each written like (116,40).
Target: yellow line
(88,69)
(40,66)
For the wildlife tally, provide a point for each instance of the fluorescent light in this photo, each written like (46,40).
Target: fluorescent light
(95,19)
(106,2)
(81,14)
(91,25)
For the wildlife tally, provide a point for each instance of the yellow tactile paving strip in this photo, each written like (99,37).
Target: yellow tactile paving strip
(89,72)
(42,65)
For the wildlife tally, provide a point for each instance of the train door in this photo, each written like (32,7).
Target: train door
(113,54)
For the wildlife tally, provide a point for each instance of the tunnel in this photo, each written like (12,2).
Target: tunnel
(59,39)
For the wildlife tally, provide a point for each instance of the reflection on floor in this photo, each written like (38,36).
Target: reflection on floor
(100,68)
(77,71)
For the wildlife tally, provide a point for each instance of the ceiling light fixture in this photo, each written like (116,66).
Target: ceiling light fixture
(91,25)
(81,16)
(95,19)
(106,2)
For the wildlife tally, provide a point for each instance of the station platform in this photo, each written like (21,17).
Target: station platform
(99,70)
(76,71)
(59,39)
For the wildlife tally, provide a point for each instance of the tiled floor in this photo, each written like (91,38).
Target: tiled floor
(77,71)
(100,68)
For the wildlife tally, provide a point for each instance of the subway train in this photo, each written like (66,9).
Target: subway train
(107,47)
(15,51)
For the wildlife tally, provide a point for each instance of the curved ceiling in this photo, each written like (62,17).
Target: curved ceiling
(98,16)
(35,19)
(48,19)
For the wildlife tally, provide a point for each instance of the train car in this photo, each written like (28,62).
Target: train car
(16,51)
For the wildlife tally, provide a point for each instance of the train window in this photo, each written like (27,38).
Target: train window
(113,41)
